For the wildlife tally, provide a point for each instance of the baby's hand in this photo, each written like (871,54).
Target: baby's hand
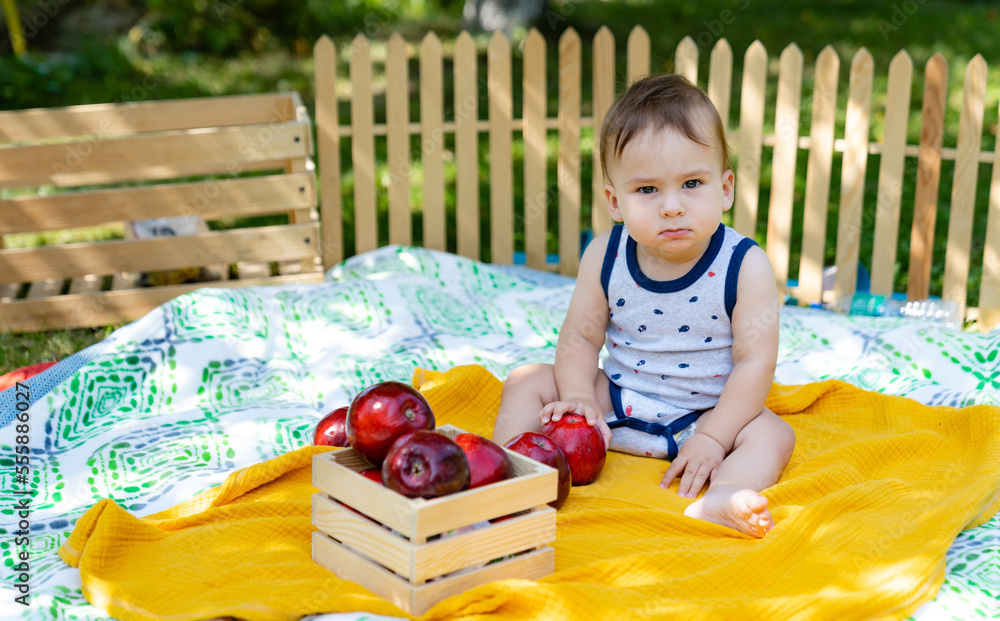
(698,459)
(588,409)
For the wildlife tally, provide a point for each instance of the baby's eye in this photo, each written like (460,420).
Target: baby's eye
(691,184)
(647,189)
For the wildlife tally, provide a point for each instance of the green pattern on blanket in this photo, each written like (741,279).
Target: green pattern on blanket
(219,379)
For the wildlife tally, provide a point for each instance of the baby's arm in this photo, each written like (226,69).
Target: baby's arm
(755,351)
(580,341)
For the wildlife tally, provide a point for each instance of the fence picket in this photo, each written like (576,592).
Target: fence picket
(466,147)
(963,194)
(535,163)
(568,168)
(786,124)
(928,176)
(686,59)
(989,290)
(363,146)
(751,139)
(852,175)
(720,78)
(328,144)
(638,54)
(604,95)
(397,135)
(890,174)
(501,110)
(824,110)
(432,141)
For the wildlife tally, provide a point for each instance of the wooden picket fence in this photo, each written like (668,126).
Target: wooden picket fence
(749,137)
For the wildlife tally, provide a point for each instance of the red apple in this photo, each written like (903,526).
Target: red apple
(582,444)
(374,474)
(426,464)
(544,450)
(488,463)
(381,413)
(330,429)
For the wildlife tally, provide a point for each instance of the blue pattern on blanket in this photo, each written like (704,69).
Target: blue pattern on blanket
(219,379)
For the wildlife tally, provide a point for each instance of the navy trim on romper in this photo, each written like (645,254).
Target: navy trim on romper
(733,273)
(656,429)
(609,256)
(678,284)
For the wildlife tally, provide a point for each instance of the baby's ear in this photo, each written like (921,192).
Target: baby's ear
(728,189)
(612,198)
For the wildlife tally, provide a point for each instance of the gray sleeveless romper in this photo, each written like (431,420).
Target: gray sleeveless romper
(669,343)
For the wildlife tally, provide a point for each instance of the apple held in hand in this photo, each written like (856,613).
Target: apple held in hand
(425,464)
(545,451)
(381,413)
(330,430)
(488,463)
(582,444)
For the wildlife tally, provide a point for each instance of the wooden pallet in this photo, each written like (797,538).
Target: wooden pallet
(217,158)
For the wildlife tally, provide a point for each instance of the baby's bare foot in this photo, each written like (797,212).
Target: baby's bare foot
(742,509)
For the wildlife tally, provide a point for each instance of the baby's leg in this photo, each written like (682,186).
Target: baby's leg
(526,391)
(761,451)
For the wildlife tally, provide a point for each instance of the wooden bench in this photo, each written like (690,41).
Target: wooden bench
(476,115)
(222,159)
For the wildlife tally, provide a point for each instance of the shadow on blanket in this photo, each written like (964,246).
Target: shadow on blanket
(873,497)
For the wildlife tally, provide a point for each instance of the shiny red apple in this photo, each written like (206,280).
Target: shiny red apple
(582,444)
(488,463)
(425,464)
(330,429)
(543,450)
(375,474)
(381,413)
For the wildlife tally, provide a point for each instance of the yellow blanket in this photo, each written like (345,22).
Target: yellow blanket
(875,493)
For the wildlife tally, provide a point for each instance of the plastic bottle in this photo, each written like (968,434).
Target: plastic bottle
(929,309)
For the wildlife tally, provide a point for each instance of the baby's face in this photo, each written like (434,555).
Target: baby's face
(670,192)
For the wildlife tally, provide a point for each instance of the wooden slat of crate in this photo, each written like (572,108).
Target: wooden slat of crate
(273,243)
(109,307)
(153,156)
(220,198)
(145,116)
(422,562)
(417,600)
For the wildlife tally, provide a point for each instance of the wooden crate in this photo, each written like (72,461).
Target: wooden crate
(222,159)
(410,565)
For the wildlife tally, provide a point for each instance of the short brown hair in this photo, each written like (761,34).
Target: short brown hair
(660,102)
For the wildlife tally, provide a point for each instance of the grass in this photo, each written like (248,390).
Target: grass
(125,68)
